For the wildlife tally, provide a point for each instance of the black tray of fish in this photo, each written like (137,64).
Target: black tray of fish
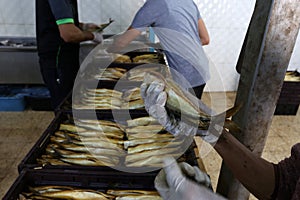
(49,137)
(97,181)
(122,67)
(145,57)
(89,88)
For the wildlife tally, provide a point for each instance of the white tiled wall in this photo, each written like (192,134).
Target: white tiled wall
(17,18)
(99,11)
(226,20)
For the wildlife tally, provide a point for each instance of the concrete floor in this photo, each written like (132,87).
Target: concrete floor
(20,130)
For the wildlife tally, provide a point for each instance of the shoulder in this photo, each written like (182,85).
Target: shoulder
(156,3)
(295,156)
(295,152)
(287,174)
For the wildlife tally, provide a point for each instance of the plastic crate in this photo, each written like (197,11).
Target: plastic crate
(12,102)
(286,109)
(289,99)
(38,98)
(97,180)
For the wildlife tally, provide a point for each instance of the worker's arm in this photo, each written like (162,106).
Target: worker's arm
(71,33)
(123,40)
(203,33)
(255,173)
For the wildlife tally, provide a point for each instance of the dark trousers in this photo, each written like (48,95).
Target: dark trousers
(198,90)
(59,79)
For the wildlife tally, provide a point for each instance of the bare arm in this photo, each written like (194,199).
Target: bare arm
(255,173)
(123,40)
(203,33)
(71,33)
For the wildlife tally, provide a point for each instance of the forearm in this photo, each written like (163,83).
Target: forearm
(203,33)
(255,173)
(71,33)
(123,40)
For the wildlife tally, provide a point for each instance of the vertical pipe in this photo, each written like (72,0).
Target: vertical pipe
(272,34)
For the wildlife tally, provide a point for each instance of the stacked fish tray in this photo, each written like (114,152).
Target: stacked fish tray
(289,99)
(132,143)
(58,184)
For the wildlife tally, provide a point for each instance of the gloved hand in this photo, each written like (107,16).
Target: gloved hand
(98,36)
(89,27)
(155,99)
(172,182)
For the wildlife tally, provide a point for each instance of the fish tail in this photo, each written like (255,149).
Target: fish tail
(224,117)
(232,127)
(227,114)
(232,111)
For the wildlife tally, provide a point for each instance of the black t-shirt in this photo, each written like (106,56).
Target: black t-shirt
(49,14)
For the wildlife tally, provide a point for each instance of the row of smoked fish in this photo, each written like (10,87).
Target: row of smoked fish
(106,99)
(292,76)
(66,193)
(134,69)
(140,142)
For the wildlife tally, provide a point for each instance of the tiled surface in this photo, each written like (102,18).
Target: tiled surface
(20,130)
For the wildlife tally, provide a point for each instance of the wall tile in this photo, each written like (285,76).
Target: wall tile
(295,59)
(28,11)
(15,30)
(129,9)
(111,9)
(3,31)
(30,30)
(226,13)
(223,78)
(225,45)
(90,11)
(11,12)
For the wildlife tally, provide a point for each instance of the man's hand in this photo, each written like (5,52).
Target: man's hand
(173,183)
(155,99)
(89,27)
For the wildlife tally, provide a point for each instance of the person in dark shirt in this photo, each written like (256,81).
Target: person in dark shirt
(58,34)
(263,179)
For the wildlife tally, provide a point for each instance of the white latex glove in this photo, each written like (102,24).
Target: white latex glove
(98,36)
(173,184)
(89,27)
(155,99)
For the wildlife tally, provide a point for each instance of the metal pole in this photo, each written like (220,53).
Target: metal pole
(271,37)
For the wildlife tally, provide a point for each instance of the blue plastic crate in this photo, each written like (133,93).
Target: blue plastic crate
(12,102)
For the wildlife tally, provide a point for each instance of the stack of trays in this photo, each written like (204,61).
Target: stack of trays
(105,141)
(125,73)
